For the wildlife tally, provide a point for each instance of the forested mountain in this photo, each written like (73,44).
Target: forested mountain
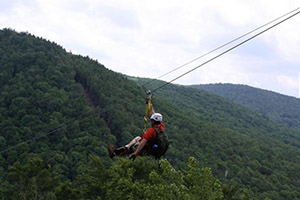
(282,108)
(59,111)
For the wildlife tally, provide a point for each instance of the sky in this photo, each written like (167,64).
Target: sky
(147,38)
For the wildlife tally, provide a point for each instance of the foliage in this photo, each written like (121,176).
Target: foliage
(281,108)
(33,180)
(254,150)
(124,181)
(59,111)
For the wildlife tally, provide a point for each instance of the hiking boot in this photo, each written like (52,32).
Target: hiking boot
(122,151)
(111,151)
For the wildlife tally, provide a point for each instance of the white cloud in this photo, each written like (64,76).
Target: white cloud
(289,81)
(288,84)
(148,38)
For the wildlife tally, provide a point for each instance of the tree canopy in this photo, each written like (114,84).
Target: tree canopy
(284,109)
(59,111)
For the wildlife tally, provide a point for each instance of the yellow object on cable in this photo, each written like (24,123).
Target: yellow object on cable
(148,107)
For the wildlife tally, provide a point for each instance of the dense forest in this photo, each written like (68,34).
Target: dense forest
(284,109)
(59,111)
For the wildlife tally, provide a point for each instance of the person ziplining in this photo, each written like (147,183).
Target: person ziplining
(152,143)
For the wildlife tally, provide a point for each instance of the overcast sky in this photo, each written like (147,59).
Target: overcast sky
(148,38)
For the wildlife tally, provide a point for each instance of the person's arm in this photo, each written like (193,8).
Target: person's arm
(148,98)
(139,148)
(152,111)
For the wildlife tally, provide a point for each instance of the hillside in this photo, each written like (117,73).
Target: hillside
(68,108)
(282,108)
(228,135)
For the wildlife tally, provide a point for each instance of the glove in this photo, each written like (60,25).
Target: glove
(149,95)
(132,156)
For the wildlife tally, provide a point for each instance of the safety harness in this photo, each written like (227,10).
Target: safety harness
(148,108)
(160,144)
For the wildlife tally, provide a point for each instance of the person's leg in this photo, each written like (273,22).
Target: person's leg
(132,142)
(125,150)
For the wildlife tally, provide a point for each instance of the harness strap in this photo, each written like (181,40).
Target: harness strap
(157,131)
(148,107)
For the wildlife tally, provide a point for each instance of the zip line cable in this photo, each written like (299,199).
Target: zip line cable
(54,130)
(167,83)
(224,52)
(62,126)
(234,40)
(38,137)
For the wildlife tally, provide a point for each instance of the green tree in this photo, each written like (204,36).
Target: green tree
(31,180)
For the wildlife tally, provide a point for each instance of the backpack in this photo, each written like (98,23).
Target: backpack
(160,145)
